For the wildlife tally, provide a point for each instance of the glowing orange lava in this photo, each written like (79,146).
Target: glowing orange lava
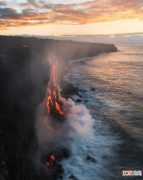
(52,165)
(52,98)
(48,126)
(52,157)
(52,93)
(59,109)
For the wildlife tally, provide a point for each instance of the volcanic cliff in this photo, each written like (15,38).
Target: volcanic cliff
(24,79)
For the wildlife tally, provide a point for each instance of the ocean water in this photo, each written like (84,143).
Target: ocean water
(116,105)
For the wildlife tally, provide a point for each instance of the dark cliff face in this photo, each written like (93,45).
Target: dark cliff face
(63,50)
(23,80)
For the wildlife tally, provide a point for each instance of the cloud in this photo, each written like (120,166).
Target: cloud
(31,1)
(2,3)
(31,4)
(81,13)
(26,4)
(28,11)
(7,13)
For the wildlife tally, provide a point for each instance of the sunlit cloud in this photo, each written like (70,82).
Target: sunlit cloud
(40,13)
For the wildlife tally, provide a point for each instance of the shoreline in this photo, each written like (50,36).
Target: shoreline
(25,81)
(128,147)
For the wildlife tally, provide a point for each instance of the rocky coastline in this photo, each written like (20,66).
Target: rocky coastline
(24,80)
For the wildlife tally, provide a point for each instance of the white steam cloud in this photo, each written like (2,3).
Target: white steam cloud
(76,126)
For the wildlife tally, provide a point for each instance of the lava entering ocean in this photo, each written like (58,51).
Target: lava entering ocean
(53,102)
(53,106)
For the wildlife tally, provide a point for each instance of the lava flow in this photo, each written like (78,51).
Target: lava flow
(53,166)
(52,99)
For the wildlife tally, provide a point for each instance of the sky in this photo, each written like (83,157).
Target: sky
(71,17)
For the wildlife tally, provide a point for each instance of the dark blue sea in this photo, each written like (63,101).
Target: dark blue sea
(114,98)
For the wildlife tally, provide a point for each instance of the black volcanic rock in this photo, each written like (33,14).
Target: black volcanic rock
(23,80)
(73,177)
(78,100)
(82,90)
(61,153)
(68,89)
(79,95)
(92,89)
(91,159)
(61,177)
(86,101)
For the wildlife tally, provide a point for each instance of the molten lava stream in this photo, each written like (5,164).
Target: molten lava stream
(52,99)
(59,109)
(48,126)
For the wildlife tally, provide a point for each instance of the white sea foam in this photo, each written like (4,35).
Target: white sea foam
(95,144)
